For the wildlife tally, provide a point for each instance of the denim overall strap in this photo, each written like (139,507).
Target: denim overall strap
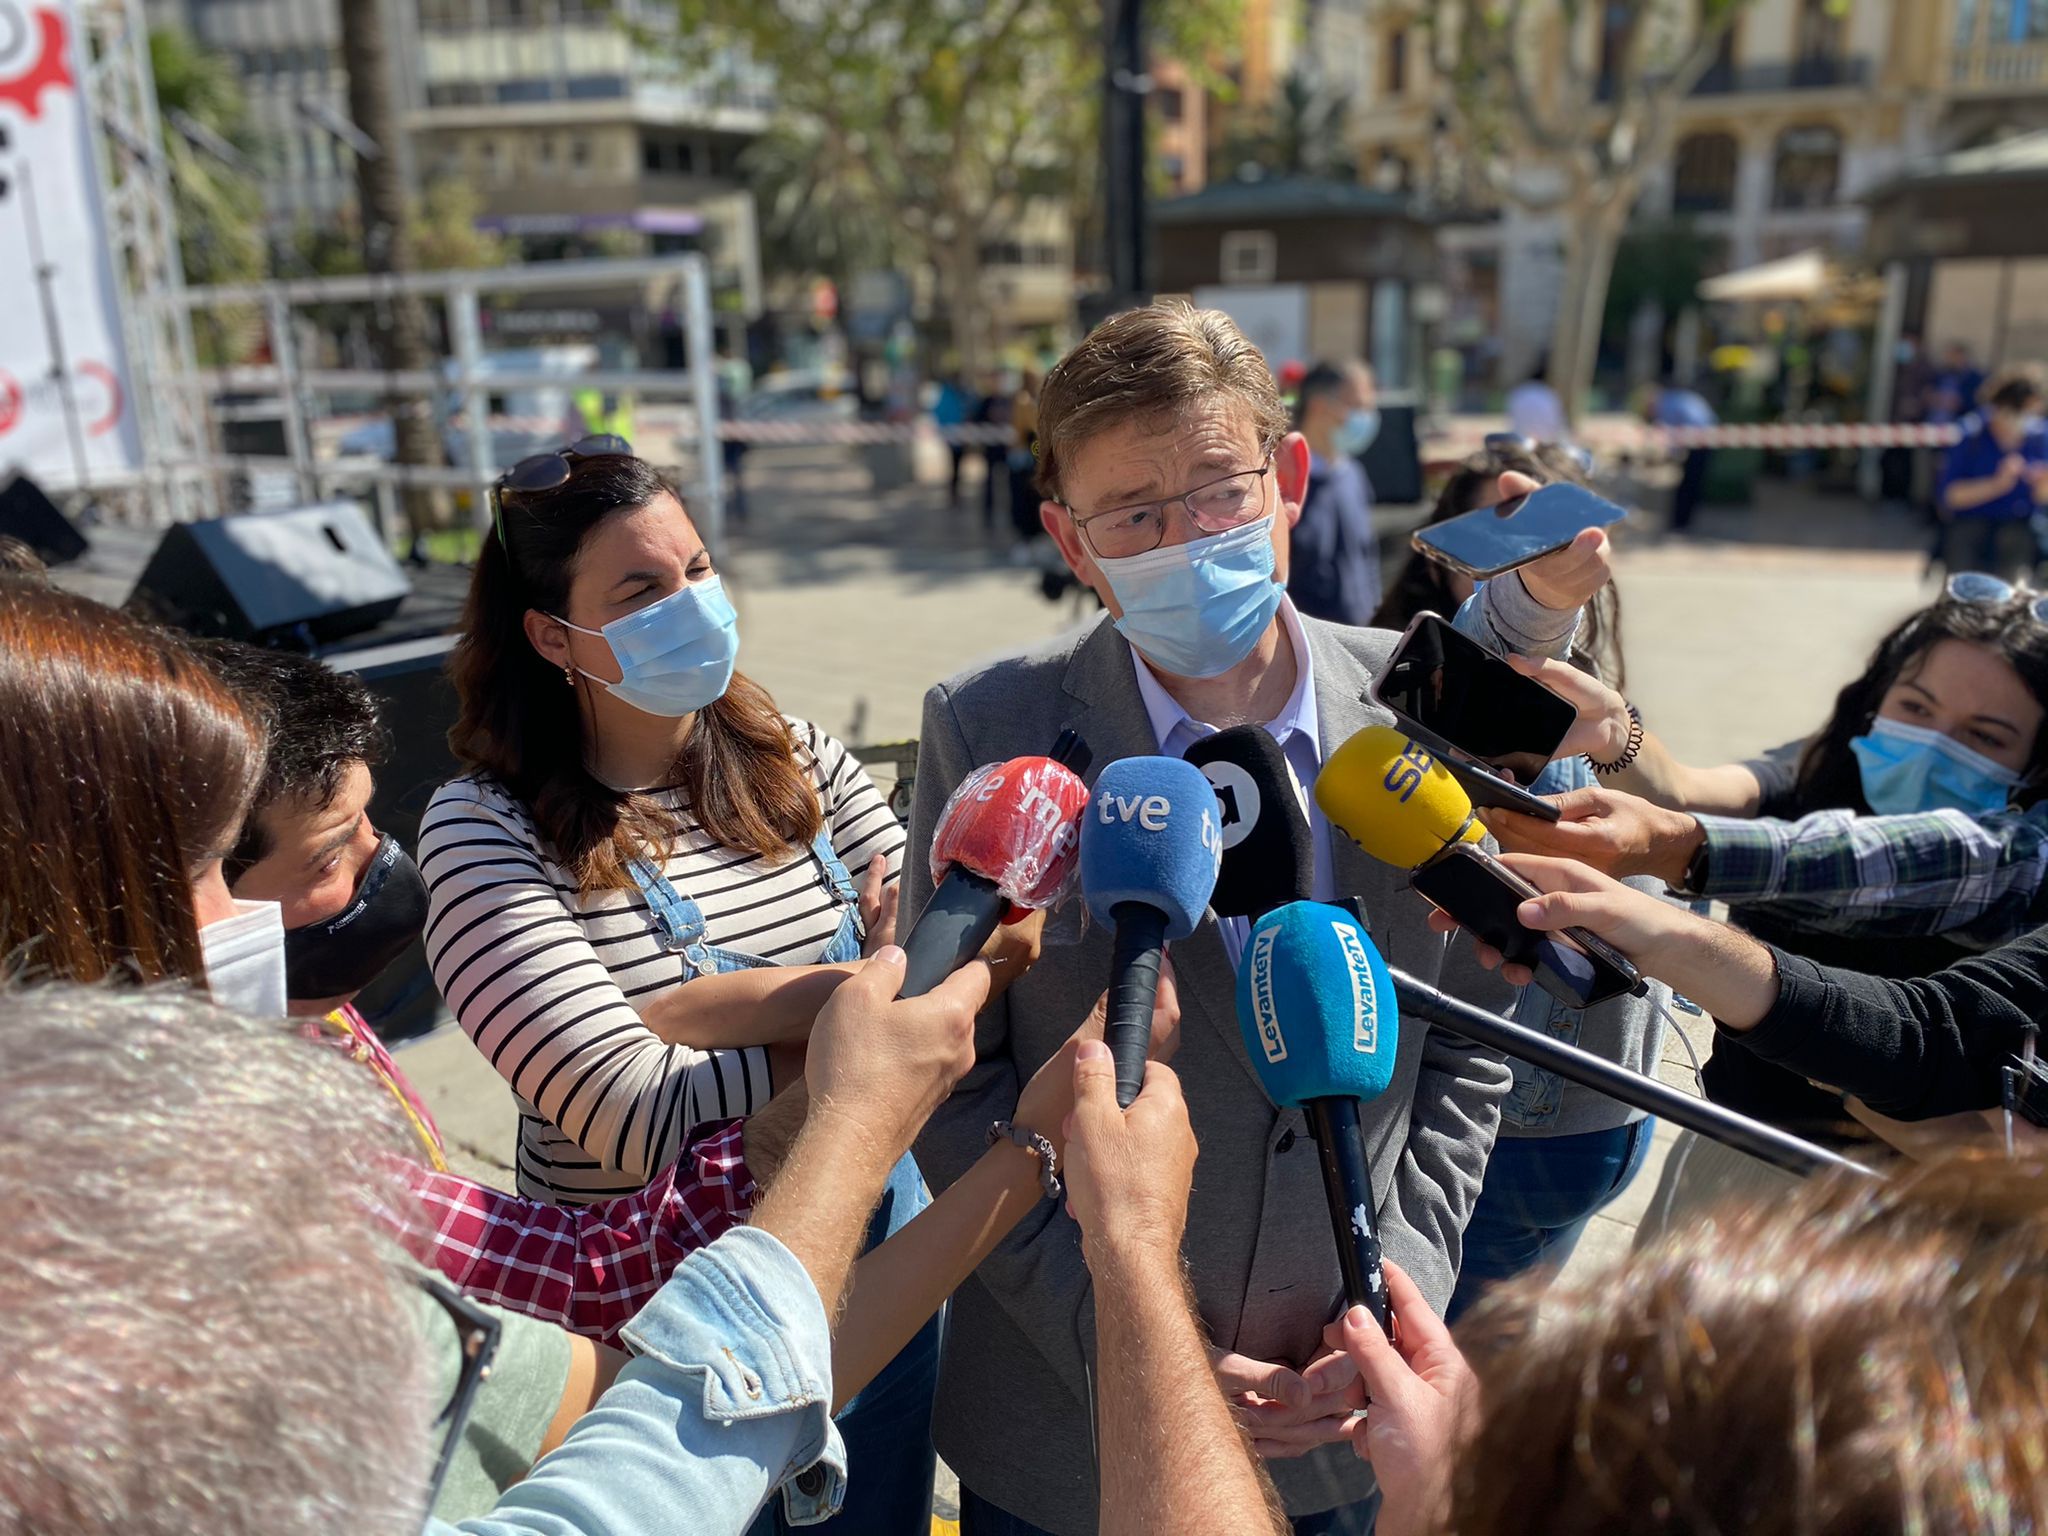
(679,920)
(846,943)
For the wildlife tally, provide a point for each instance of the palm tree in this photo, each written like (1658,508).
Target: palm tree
(401,331)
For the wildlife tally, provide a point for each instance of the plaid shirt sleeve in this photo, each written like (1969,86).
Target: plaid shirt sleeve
(589,1268)
(1978,882)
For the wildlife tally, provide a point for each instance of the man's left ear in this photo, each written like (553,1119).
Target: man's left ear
(1290,472)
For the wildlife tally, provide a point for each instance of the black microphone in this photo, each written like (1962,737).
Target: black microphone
(1008,836)
(1635,1089)
(1268,856)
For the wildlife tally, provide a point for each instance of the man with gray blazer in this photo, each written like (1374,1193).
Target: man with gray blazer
(1172,484)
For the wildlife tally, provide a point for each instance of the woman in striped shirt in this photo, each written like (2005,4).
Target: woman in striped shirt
(639,895)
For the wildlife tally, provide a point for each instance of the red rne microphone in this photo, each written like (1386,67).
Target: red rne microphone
(1006,844)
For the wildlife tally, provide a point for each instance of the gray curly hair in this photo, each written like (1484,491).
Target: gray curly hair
(205,1326)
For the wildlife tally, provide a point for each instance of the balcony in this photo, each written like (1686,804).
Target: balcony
(586,63)
(1823,72)
(2000,69)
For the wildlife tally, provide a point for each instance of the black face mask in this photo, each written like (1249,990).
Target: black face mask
(345,953)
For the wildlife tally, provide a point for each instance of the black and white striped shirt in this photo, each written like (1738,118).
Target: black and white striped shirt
(544,977)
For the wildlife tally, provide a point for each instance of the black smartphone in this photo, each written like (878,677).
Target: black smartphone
(1577,968)
(1490,541)
(1449,691)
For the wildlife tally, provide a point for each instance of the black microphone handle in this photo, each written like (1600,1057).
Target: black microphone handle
(1635,1089)
(1133,985)
(1347,1181)
(964,910)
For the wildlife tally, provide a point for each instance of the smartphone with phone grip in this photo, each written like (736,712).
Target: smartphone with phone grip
(1574,966)
(1491,541)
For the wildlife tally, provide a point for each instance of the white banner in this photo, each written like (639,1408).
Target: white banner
(65,402)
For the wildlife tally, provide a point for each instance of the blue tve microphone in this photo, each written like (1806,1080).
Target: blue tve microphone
(1316,1004)
(1151,844)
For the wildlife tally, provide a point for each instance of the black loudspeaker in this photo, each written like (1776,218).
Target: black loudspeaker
(30,516)
(417,703)
(1392,463)
(304,576)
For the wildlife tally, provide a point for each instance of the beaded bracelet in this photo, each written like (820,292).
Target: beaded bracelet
(1628,754)
(1038,1146)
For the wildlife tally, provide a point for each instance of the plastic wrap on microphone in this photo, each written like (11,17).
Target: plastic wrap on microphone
(1014,823)
(1316,1006)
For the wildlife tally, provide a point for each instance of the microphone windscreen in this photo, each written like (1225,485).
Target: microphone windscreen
(1150,835)
(1268,858)
(1317,1006)
(1394,799)
(1016,823)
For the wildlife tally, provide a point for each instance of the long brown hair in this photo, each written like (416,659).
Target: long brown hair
(1868,1357)
(520,725)
(124,764)
(1422,588)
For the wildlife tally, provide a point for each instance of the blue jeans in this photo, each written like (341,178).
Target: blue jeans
(1539,1194)
(978,1517)
(887,1427)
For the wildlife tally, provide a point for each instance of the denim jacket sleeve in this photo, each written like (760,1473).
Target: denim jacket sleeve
(728,1396)
(1502,616)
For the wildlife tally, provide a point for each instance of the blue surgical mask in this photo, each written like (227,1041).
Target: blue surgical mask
(676,655)
(1908,768)
(1197,609)
(1355,433)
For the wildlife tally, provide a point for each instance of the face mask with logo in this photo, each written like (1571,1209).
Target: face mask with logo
(1355,433)
(1908,768)
(676,655)
(244,959)
(343,954)
(1197,609)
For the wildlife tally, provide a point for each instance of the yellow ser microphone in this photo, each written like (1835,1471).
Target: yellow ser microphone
(1392,797)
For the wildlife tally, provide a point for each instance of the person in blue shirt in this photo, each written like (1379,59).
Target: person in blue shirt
(951,406)
(1956,387)
(1336,569)
(1994,480)
(1675,406)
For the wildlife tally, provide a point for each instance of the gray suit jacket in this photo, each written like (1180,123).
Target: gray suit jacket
(1013,1415)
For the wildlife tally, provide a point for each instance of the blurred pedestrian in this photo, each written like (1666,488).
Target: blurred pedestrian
(1994,479)
(951,406)
(1673,405)
(1913,380)
(1534,409)
(1335,569)
(1023,464)
(735,384)
(1957,386)
(993,410)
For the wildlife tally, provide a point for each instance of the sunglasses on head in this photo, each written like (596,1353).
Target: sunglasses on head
(545,471)
(1989,591)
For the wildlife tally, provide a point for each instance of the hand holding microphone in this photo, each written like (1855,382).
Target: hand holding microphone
(1150,850)
(1322,1030)
(1006,840)
(1398,803)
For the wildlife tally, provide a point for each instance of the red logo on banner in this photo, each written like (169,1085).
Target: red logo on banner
(110,417)
(47,67)
(10,402)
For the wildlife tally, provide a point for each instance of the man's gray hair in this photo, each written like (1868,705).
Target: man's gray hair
(205,1327)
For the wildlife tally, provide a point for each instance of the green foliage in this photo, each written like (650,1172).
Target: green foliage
(219,207)
(1659,264)
(1301,132)
(442,225)
(905,127)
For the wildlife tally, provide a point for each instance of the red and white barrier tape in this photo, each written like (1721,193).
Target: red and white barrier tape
(1605,437)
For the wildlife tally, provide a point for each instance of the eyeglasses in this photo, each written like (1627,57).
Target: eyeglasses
(1991,592)
(478,1332)
(1217,507)
(545,471)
